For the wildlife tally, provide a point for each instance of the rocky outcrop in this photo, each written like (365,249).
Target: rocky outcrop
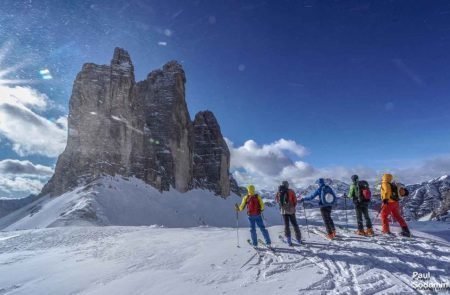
(211,155)
(168,137)
(429,200)
(118,126)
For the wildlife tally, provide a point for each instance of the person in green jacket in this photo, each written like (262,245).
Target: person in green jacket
(361,207)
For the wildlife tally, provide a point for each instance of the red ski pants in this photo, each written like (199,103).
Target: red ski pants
(394,209)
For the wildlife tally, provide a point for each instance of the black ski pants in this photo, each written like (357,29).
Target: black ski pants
(326,215)
(293,220)
(362,209)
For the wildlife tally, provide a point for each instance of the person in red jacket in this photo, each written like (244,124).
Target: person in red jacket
(287,201)
(390,198)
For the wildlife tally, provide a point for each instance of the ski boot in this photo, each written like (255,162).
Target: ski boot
(405,232)
(360,232)
(289,241)
(369,232)
(333,233)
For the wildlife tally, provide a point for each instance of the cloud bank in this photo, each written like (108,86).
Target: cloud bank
(21,178)
(268,164)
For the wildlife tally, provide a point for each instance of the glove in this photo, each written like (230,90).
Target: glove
(385,201)
(236,207)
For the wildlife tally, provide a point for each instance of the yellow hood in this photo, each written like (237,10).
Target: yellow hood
(387,178)
(251,189)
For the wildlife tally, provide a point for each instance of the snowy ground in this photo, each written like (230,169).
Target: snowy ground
(56,246)
(154,260)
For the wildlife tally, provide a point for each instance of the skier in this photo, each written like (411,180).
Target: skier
(255,207)
(287,202)
(361,199)
(327,198)
(390,197)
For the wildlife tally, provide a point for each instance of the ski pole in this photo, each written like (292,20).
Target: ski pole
(237,227)
(345,208)
(306,219)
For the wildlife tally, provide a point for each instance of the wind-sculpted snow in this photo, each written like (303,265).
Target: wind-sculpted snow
(153,260)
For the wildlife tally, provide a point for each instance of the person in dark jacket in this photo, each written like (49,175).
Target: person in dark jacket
(361,207)
(327,198)
(287,201)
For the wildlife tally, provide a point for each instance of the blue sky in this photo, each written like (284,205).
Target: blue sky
(359,84)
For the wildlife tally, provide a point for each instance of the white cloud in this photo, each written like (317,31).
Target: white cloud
(21,178)
(25,96)
(17,167)
(19,186)
(267,165)
(29,132)
(269,159)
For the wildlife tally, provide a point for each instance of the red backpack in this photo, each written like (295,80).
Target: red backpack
(365,193)
(253,206)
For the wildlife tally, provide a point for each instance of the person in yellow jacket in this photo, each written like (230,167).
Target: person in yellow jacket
(390,198)
(255,207)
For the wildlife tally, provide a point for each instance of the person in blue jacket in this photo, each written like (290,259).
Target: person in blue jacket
(327,198)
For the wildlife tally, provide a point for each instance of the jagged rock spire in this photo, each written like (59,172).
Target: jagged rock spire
(118,126)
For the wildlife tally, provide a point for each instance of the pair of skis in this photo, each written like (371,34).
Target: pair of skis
(263,244)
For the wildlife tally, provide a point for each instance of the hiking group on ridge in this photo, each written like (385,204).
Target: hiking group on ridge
(359,193)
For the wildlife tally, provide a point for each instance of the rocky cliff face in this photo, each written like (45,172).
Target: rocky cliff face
(429,200)
(118,126)
(211,155)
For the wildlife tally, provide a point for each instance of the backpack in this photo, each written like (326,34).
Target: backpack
(253,207)
(364,191)
(284,196)
(394,189)
(327,197)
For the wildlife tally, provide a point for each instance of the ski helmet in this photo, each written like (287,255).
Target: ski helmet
(285,183)
(355,178)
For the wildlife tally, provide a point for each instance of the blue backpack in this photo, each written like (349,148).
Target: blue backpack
(327,196)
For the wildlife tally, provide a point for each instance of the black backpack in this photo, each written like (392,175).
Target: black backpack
(394,190)
(283,193)
(364,191)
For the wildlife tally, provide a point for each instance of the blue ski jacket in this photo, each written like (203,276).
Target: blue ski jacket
(320,192)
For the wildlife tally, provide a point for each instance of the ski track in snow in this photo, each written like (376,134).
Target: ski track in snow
(153,260)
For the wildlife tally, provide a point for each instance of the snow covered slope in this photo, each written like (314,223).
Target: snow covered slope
(122,201)
(152,260)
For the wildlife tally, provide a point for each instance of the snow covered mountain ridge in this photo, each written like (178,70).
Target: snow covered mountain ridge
(116,200)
